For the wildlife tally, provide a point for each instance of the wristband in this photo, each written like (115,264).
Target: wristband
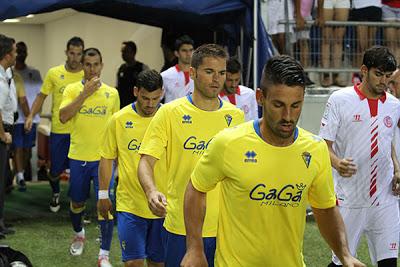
(103,194)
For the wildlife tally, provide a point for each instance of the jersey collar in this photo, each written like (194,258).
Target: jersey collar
(256,125)
(362,96)
(190,99)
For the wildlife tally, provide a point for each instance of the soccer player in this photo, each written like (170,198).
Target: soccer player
(268,171)
(177,81)
(358,125)
(139,230)
(183,129)
(57,78)
(240,96)
(28,81)
(88,104)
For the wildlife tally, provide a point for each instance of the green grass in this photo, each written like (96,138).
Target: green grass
(45,237)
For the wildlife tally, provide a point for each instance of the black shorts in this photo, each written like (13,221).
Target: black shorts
(371,13)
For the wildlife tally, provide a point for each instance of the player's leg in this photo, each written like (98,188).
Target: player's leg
(59,147)
(79,188)
(354,222)
(18,144)
(155,249)
(383,235)
(175,249)
(106,226)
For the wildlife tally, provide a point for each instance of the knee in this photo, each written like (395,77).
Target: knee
(77,207)
(54,178)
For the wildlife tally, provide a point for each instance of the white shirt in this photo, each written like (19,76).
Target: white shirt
(8,96)
(366,3)
(357,132)
(244,99)
(176,83)
(32,83)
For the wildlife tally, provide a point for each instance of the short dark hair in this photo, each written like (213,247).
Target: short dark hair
(149,80)
(184,39)
(233,65)
(131,45)
(207,50)
(75,41)
(6,45)
(379,57)
(282,69)
(21,44)
(91,52)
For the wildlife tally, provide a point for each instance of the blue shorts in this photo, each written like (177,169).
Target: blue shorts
(175,249)
(22,139)
(82,172)
(59,147)
(140,238)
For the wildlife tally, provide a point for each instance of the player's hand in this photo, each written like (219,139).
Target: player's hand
(352,262)
(396,184)
(194,258)
(104,207)
(91,86)
(28,123)
(157,203)
(346,167)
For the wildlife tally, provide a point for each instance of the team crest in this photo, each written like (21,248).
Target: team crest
(228,119)
(107,94)
(123,244)
(306,158)
(62,76)
(388,121)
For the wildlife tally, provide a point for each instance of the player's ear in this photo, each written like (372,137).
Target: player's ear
(192,73)
(135,91)
(259,96)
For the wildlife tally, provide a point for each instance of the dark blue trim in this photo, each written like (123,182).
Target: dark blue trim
(189,97)
(256,125)
(134,107)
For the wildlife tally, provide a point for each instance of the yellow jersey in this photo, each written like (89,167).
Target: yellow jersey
(184,131)
(124,134)
(57,78)
(264,194)
(89,123)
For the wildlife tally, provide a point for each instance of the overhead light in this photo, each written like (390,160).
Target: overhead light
(30,16)
(11,20)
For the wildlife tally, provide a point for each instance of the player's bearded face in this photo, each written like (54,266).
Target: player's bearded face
(282,107)
(185,53)
(232,82)
(74,56)
(378,81)
(92,66)
(147,102)
(209,77)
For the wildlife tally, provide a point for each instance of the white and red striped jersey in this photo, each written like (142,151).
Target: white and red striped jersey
(177,83)
(245,99)
(362,129)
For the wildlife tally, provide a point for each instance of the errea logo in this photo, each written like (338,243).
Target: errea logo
(129,124)
(250,157)
(186,119)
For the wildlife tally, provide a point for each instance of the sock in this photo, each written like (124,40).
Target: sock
(76,219)
(55,186)
(104,253)
(106,228)
(20,176)
(81,233)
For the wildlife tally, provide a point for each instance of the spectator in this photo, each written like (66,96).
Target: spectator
(128,72)
(391,13)
(241,96)
(8,105)
(28,81)
(332,40)
(176,79)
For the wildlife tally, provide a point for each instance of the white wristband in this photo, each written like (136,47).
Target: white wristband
(103,194)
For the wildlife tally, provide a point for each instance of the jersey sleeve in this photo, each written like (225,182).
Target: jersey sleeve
(209,169)
(19,85)
(155,139)
(253,107)
(330,119)
(116,103)
(321,193)
(47,86)
(109,149)
(68,97)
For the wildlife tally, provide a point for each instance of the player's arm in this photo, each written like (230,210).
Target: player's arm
(36,107)
(345,167)
(69,111)
(396,172)
(104,205)
(331,227)
(194,212)
(156,200)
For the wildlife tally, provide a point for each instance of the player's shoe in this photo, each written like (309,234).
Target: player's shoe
(103,262)
(76,248)
(55,203)
(21,185)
